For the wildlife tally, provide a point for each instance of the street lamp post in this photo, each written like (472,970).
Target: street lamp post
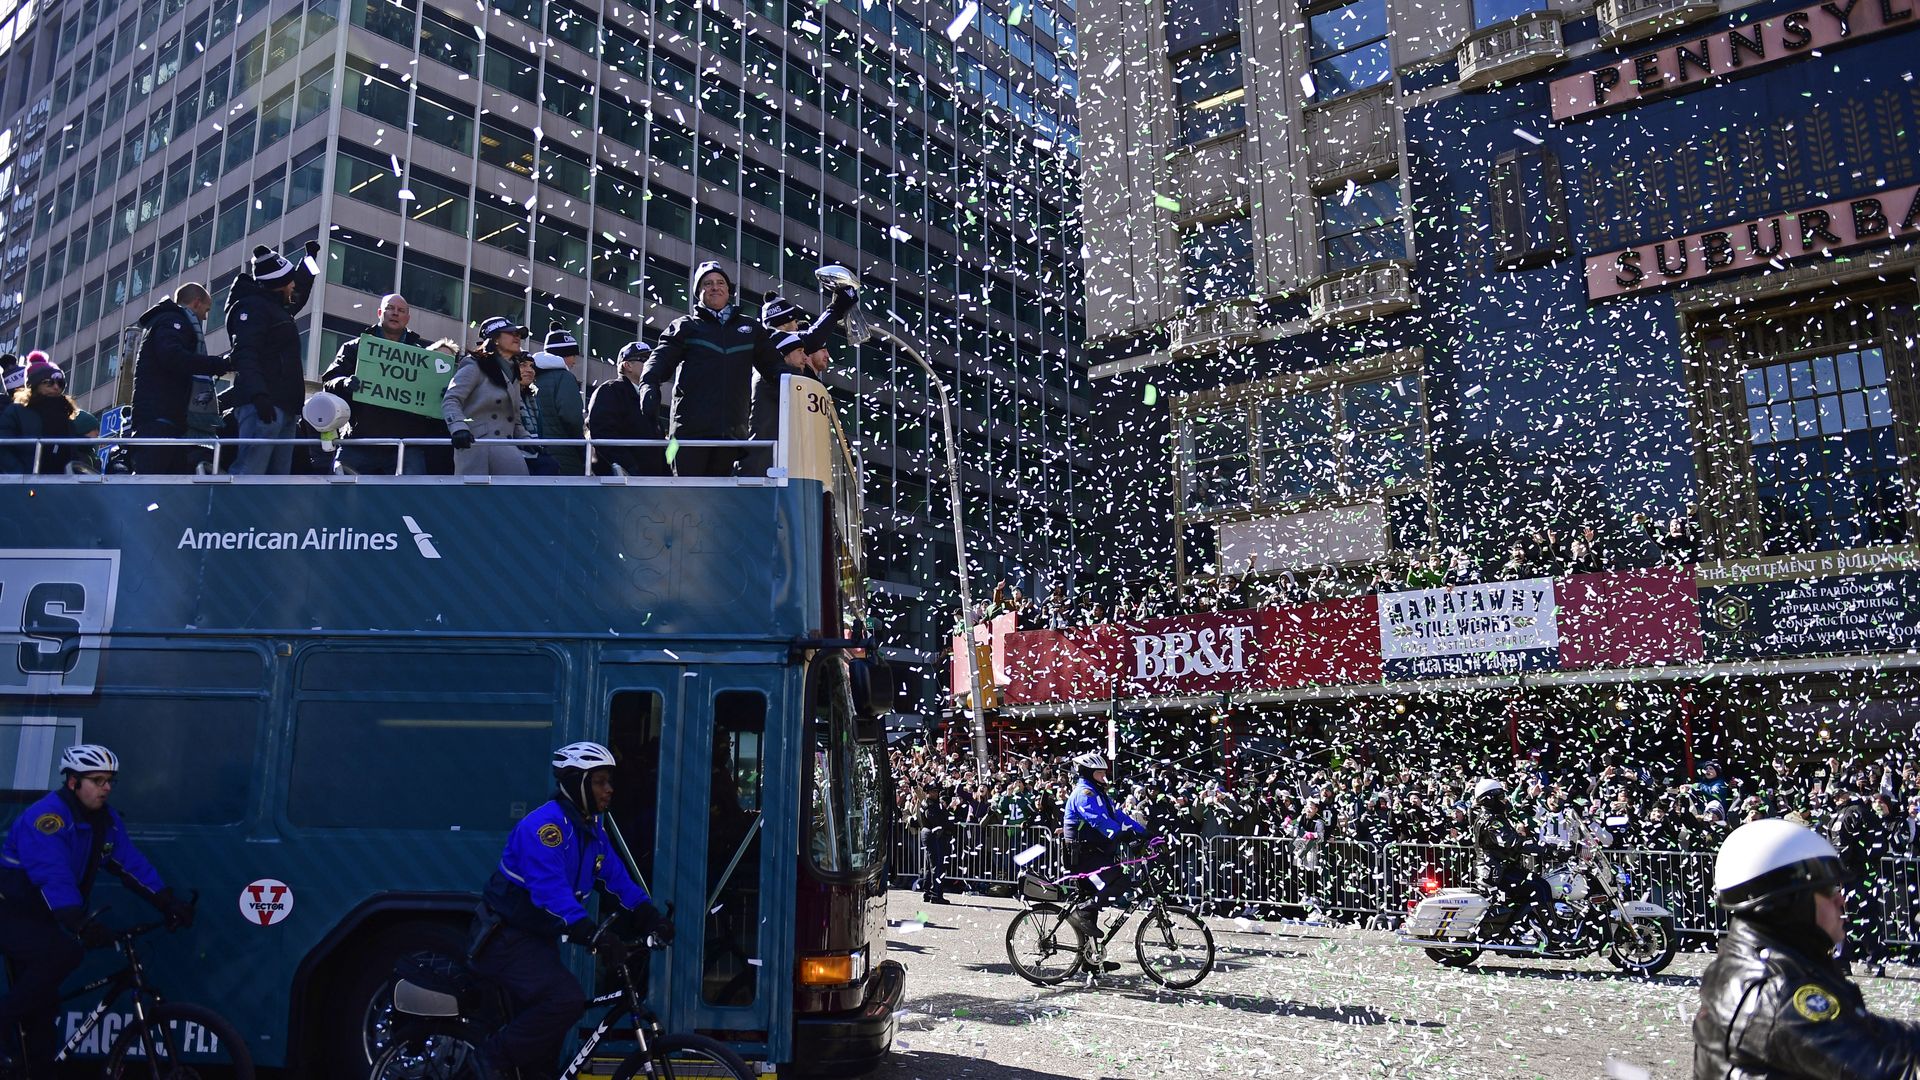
(859,330)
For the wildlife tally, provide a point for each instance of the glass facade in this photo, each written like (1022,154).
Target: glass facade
(569,166)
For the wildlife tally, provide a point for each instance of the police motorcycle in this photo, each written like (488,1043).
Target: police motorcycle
(1592,912)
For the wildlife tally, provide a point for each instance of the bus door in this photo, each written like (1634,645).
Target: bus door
(707,797)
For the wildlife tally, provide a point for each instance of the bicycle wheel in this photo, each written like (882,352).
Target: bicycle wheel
(1174,947)
(435,1051)
(1044,945)
(179,1042)
(684,1057)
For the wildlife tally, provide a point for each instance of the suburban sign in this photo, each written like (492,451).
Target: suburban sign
(1878,217)
(1688,65)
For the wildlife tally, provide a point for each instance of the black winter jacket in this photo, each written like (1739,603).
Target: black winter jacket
(1778,1009)
(715,361)
(1497,845)
(265,347)
(614,413)
(372,421)
(172,352)
(1856,833)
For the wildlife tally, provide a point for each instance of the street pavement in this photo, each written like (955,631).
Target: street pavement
(1286,999)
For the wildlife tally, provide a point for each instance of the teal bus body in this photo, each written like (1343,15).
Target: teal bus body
(333,699)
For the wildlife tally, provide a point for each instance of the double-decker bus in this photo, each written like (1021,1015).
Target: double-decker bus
(333,697)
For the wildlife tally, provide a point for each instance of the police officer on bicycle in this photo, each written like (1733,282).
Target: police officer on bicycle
(1095,829)
(1774,1002)
(554,859)
(47,867)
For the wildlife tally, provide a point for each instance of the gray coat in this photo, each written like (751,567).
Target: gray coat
(475,403)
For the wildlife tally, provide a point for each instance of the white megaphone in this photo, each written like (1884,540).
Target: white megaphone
(327,414)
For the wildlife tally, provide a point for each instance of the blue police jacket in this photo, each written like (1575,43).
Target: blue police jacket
(1090,810)
(553,861)
(46,853)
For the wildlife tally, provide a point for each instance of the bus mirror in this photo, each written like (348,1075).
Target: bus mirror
(872,686)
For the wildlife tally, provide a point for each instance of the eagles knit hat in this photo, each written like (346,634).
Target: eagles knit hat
(560,342)
(779,309)
(500,324)
(637,351)
(41,369)
(269,265)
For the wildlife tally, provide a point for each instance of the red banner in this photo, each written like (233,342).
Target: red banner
(1325,644)
(1634,618)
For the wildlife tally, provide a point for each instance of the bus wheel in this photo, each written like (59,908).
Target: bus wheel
(358,1021)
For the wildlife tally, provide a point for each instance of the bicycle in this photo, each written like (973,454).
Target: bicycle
(1047,946)
(449,1011)
(164,1040)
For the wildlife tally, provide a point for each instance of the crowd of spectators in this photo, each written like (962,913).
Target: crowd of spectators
(1313,800)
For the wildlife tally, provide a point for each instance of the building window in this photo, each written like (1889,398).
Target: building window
(1347,46)
(1319,438)
(1217,258)
(1488,12)
(1360,224)
(1203,45)
(1826,456)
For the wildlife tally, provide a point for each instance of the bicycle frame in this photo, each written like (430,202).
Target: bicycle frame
(127,979)
(626,1003)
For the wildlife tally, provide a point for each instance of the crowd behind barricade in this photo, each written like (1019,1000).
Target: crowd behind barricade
(1541,551)
(502,389)
(1871,806)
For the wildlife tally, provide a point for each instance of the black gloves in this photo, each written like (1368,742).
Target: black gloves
(612,950)
(350,384)
(463,439)
(649,922)
(263,408)
(581,931)
(177,912)
(93,934)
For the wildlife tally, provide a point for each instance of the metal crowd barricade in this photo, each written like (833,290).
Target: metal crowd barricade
(1354,880)
(1403,865)
(1680,881)
(1899,880)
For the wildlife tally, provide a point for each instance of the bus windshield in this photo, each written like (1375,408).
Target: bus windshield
(847,829)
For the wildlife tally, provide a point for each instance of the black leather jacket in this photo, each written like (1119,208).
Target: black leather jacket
(1497,846)
(1778,1009)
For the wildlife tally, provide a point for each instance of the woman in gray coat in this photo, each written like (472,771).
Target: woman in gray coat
(483,402)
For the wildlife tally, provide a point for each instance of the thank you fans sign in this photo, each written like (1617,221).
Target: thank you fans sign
(1491,629)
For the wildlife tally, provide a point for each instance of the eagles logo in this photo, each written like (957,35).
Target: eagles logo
(49,823)
(1815,1003)
(550,835)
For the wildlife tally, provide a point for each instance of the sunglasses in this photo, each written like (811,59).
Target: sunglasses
(58,380)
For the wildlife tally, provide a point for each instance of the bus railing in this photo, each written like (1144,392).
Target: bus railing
(216,443)
(1360,881)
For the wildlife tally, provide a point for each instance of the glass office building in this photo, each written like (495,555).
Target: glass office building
(569,163)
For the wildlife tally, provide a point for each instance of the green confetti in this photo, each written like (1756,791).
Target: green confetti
(673,450)
(1153,394)
(1170,205)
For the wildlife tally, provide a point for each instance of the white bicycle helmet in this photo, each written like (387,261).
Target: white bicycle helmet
(89,758)
(583,755)
(1091,760)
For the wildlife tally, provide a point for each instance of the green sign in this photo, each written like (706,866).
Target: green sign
(403,377)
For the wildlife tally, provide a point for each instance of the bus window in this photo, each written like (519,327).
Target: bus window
(169,778)
(633,734)
(728,975)
(435,765)
(848,821)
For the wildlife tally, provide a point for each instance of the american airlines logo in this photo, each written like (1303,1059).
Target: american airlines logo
(344,538)
(1180,653)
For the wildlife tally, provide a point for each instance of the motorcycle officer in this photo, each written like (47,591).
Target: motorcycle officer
(1500,847)
(1773,1002)
(1095,828)
(554,859)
